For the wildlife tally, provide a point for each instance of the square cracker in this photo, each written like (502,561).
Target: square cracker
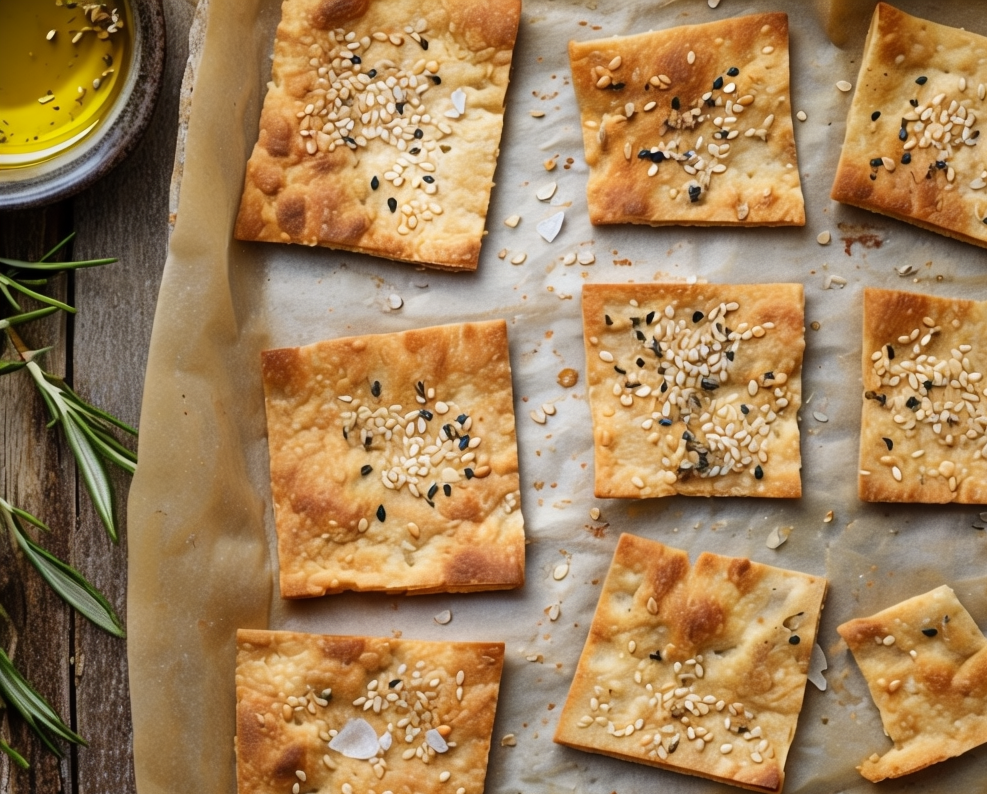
(394,462)
(913,148)
(295,692)
(695,389)
(690,126)
(925,662)
(925,405)
(418,113)
(699,670)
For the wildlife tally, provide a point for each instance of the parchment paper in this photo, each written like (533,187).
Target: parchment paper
(202,543)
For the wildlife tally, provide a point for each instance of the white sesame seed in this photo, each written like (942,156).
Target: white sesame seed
(443,617)
(726,748)
(896,473)
(691,57)
(889,640)
(615,63)
(844,86)
(607,356)
(752,388)
(801,115)
(560,572)
(518,259)
(824,238)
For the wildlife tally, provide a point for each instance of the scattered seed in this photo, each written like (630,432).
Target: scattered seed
(778,536)
(801,115)
(586,258)
(510,740)
(395,301)
(560,572)
(539,417)
(824,238)
(443,617)
(828,517)
(820,417)
(518,259)
(512,221)
(594,513)
(554,611)
(844,86)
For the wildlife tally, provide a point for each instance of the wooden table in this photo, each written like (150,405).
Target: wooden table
(103,353)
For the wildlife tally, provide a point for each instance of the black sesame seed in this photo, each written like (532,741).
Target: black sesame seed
(889,443)
(399,106)
(794,640)
(420,388)
(462,419)
(356,60)
(675,103)
(733,71)
(375,388)
(665,422)
(930,632)
(428,178)
(392,204)
(710,103)
(687,436)
(650,318)
(877,162)
(433,490)
(464,442)
(664,387)
(927,384)
(718,84)
(694,193)
(635,321)
(656,656)
(469,473)
(345,434)
(349,140)
(619,370)
(873,177)
(419,134)
(607,319)
(913,103)
(769,376)
(394,683)
(922,80)
(616,86)
(381,513)
(640,362)
(906,158)
(436,79)
(940,164)
(447,489)
(640,335)
(365,470)
(913,402)
(744,409)
(372,73)
(424,42)
(890,353)
(758,473)
(974,135)
(644,154)
(710,384)
(875,115)
(374,183)
(414,151)
(902,134)
(731,355)
(657,157)
(425,414)
(697,316)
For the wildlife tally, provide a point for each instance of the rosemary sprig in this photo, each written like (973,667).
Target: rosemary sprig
(70,585)
(11,278)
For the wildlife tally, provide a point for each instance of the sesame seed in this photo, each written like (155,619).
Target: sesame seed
(824,238)
(561,571)
(889,640)
(844,86)
(801,116)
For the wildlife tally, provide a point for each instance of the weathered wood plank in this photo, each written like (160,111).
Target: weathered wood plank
(36,474)
(125,215)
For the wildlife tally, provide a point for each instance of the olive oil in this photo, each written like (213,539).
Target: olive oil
(62,65)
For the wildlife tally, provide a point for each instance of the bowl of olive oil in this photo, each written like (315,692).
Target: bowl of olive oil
(78,85)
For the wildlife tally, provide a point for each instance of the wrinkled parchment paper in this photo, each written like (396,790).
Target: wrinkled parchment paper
(202,544)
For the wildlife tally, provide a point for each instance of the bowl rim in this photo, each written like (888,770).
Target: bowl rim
(119,138)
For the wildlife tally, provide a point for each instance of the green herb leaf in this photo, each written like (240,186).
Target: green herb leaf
(27,317)
(15,756)
(6,367)
(93,473)
(33,708)
(71,586)
(7,281)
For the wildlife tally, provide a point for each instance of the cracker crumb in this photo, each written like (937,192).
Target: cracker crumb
(537,114)
(546,191)
(549,164)
(512,221)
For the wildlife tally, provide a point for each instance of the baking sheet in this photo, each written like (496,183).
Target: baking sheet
(202,556)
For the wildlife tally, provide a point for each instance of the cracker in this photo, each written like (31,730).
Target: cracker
(925,662)
(394,462)
(925,407)
(913,149)
(431,705)
(699,670)
(695,389)
(390,153)
(690,126)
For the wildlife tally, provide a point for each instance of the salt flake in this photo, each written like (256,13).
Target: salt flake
(778,536)
(434,740)
(550,227)
(459,100)
(385,741)
(816,666)
(357,739)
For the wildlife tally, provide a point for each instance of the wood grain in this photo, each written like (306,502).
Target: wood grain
(81,669)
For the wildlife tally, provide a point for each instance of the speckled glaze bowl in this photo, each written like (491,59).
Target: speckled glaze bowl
(83,164)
